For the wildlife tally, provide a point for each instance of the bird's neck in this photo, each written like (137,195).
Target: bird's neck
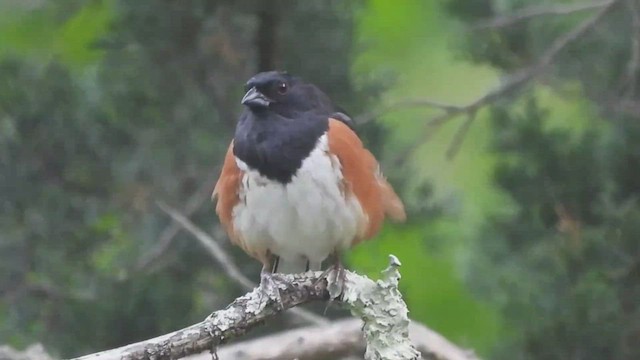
(276,146)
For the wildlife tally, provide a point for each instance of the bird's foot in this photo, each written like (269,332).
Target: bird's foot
(335,276)
(269,289)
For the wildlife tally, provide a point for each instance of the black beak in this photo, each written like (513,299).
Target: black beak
(254,98)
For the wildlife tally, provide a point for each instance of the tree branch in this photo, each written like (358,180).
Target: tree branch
(210,244)
(459,136)
(633,67)
(194,203)
(513,83)
(405,104)
(267,36)
(537,11)
(379,304)
(242,315)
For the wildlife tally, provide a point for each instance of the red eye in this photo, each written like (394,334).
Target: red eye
(282,88)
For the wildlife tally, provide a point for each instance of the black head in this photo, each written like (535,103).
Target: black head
(283,121)
(283,94)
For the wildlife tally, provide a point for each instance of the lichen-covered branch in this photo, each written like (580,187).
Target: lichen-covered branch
(378,303)
(386,320)
(242,315)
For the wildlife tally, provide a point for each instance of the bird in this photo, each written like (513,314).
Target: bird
(297,184)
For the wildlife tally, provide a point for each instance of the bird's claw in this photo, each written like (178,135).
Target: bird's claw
(269,289)
(335,276)
(336,281)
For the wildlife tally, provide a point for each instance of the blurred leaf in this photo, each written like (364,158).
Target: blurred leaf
(76,41)
(42,33)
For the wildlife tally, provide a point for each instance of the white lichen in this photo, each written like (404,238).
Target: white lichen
(380,305)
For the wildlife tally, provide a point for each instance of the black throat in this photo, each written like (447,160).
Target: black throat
(274,145)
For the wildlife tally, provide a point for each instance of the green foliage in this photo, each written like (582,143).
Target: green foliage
(67,30)
(66,250)
(565,262)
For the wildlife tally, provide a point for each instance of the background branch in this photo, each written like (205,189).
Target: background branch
(340,339)
(194,203)
(405,104)
(458,137)
(266,41)
(513,83)
(633,67)
(537,11)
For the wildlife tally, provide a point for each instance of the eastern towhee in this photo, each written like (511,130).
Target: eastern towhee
(297,185)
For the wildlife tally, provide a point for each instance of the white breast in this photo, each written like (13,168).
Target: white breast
(306,218)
